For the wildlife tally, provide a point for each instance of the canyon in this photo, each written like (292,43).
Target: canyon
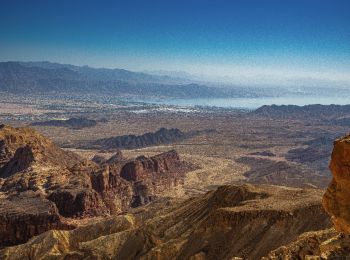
(117,217)
(201,185)
(42,185)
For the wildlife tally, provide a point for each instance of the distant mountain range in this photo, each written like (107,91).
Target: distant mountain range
(338,114)
(46,77)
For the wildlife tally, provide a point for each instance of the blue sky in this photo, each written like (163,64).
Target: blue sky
(261,41)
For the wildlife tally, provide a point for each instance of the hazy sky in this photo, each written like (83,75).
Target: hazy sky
(261,41)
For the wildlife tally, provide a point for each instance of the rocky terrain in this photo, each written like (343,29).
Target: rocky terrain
(146,203)
(301,147)
(336,199)
(265,171)
(233,221)
(74,123)
(160,137)
(329,243)
(230,222)
(42,185)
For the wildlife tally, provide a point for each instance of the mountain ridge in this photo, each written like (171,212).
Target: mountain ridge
(46,77)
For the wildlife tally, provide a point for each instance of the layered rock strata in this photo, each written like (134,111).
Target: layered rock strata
(233,221)
(66,186)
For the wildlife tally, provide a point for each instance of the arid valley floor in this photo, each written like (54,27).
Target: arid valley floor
(221,190)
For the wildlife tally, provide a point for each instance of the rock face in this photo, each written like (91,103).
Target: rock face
(27,215)
(233,221)
(61,244)
(336,200)
(154,175)
(65,186)
(329,243)
(13,138)
(143,167)
(116,158)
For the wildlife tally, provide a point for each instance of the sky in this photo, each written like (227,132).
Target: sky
(238,41)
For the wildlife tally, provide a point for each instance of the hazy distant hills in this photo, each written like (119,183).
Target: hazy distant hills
(339,114)
(45,77)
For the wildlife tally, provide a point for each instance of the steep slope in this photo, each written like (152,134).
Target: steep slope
(330,243)
(25,215)
(56,184)
(243,221)
(13,138)
(337,198)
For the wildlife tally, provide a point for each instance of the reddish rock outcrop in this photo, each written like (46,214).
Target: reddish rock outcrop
(162,164)
(77,203)
(114,190)
(233,221)
(336,200)
(21,160)
(154,175)
(26,215)
(70,187)
(98,159)
(329,243)
(13,138)
(117,157)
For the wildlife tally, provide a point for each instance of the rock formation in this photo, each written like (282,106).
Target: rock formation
(318,112)
(161,136)
(233,221)
(13,138)
(336,200)
(116,159)
(53,184)
(154,175)
(74,123)
(99,159)
(27,215)
(330,243)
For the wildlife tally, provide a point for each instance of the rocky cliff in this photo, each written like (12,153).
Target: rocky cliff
(330,243)
(42,185)
(233,221)
(26,215)
(337,198)
(154,175)
(230,222)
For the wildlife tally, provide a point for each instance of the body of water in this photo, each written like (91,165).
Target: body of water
(252,103)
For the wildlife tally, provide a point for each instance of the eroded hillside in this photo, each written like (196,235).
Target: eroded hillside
(43,185)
